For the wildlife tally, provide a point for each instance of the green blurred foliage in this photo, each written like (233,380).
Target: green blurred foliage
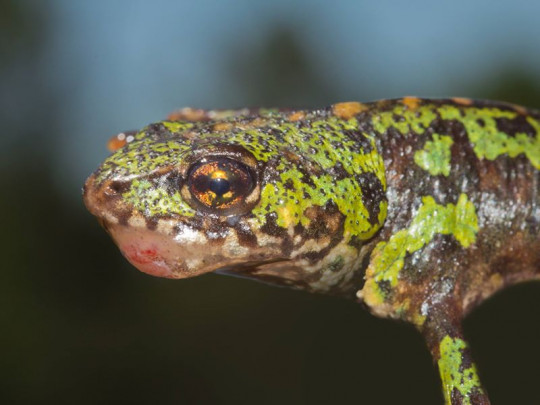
(80,325)
(15,27)
(513,84)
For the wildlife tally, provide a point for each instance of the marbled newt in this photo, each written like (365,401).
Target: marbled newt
(419,208)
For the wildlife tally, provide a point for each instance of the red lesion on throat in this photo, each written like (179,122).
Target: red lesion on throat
(148,260)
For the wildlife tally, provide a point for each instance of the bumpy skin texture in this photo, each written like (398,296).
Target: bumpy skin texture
(420,208)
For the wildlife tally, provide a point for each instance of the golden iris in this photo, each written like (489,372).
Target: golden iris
(220,184)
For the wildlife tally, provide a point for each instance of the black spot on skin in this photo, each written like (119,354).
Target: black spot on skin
(356,242)
(338,172)
(372,194)
(364,122)
(246,238)
(271,228)
(398,118)
(288,185)
(215,229)
(364,144)
(157,131)
(337,145)
(307,138)
(393,134)
(119,187)
(286,246)
(123,216)
(307,178)
(452,127)
(277,134)
(516,125)
(317,229)
(385,287)
(298,229)
(313,256)
(151,223)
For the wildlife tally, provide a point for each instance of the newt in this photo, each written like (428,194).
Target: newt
(421,209)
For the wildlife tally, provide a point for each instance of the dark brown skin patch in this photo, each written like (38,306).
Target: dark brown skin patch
(326,223)
(338,172)
(516,125)
(372,194)
(361,139)
(151,223)
(246,238)
(271,228)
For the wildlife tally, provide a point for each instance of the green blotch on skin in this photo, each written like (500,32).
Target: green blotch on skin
(387,259)
(151,200)
(435,157)
(488,142)
(289,203)
(480,124)
(317,142)
(466,381)
(404,119)
(142,157)
(177,126)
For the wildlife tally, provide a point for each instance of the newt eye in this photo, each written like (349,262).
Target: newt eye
(221,184)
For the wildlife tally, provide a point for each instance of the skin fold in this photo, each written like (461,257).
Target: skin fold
(421,209)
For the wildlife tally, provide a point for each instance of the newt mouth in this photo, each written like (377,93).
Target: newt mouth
(179,247)
(167,250)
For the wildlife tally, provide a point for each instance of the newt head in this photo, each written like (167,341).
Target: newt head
(263,196)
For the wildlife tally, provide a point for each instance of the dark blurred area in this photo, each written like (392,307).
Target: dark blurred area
(79,324)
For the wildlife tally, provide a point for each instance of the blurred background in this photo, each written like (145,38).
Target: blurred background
(80,325)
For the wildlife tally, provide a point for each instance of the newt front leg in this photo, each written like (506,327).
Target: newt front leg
(460,382)
(420,208)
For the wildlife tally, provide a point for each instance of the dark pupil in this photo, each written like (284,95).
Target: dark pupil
(220,186)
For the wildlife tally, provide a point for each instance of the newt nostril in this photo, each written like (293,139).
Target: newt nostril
(116,187)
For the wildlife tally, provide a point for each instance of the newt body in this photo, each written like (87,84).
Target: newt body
(420,208)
